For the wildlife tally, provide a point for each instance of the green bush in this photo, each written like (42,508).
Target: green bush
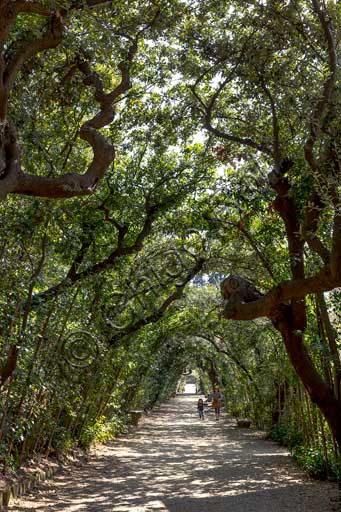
(312,460)
(101,431)
(62,441)
(287,436)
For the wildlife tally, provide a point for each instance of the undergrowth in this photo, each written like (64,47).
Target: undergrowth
(318,461)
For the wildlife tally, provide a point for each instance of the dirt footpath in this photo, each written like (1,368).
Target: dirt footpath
(176,463)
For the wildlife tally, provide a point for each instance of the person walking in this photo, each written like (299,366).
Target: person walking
(216,402)
(201,408)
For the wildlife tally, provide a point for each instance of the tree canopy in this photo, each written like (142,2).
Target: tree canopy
(149,152)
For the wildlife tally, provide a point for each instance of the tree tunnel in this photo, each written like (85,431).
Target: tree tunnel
(149,163)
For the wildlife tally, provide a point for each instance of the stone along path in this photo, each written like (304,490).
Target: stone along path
(176,463)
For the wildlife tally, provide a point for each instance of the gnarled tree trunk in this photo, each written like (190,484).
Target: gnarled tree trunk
(320,392)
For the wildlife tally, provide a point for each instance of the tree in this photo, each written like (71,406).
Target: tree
(211,153)
(48,66)
(248,79)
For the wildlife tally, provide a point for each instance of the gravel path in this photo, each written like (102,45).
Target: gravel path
(176,463)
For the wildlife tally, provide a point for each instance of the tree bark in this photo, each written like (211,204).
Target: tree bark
(331,337)
(14,179)
(6,371)
(319,391)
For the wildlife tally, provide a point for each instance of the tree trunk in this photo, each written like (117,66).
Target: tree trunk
(281,389)
(213,373)
(319,391)
(331,337)
(6,371)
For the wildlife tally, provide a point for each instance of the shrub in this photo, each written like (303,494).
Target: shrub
(102,430)
(62,441)
(312,460)
(287,436)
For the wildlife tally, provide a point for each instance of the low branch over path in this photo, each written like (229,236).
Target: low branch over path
(175,463)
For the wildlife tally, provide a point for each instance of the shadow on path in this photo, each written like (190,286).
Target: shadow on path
(176,463)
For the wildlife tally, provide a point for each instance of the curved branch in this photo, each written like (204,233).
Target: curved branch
(15,180)
(231,356)
(233,138)
(73,277)
(285,292)
(51,39)
(24,6)
(156,316)
(275,124)
(73,184)
(325,97)
(310,225)
(206,111)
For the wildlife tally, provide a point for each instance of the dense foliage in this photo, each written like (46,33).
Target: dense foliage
(149,152)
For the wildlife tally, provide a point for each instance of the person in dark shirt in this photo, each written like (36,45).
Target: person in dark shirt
(201,408)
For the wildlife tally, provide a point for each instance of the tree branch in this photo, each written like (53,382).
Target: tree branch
(275,124)
(156,316)
(233,138)
(208,109)
(9,365)
(286,291)
(310,225)
(250,239)
(335,258)
(121,249)
(263,259)
(232,356)
(332,341)
(25,6)
(72,184)
(51,39)
(286,207)
(328,86)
